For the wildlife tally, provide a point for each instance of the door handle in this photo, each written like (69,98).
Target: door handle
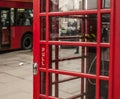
(35,68)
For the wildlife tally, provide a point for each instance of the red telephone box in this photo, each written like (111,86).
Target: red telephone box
(76,49)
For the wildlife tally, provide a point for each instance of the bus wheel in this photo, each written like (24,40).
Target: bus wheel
(26,42)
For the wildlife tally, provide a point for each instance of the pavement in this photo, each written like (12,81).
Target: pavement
(16,78)
(16,81)
(16,75)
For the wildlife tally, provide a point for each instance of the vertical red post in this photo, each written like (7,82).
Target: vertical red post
(116,48)
(36,48)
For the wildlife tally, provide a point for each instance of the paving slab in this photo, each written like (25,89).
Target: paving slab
(15,79)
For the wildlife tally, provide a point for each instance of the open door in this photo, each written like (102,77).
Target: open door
(4,28)
(62,27)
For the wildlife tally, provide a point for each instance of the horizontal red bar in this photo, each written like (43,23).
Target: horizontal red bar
(70,43)
(76,96)
(66,79)
(78,12)
(69,73)
(105,11)
(103,77)
(93,44)
(104,44)
(49,97)
(75,74)
(70,58)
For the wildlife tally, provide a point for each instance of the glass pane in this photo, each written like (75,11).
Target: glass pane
(71,87)
(103,89)
(105,4)
(12,18)
(91,83)
(105,61)
(5,18)
(42,83)
(72,5)
(42,28)
(105,37)
(42,5)
(90,4)
(73,58)
(5,28)
(74,28)
(23,17)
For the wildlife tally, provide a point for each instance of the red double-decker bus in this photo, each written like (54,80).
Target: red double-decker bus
(15,24)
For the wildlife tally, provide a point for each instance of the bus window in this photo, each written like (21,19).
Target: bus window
(5,27)
(28,17)
(23,17)
(5,18)
(12,16)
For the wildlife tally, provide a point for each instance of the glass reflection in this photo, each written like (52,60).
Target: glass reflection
(105,37)
(105,61)
(72,5)
(74,28)
(103,89)
(105,4)
(71,87)
(74,58)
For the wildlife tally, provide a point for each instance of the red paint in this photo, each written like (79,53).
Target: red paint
(16,32)
(36,48)
(43,58)
(116,50)
(8,4)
